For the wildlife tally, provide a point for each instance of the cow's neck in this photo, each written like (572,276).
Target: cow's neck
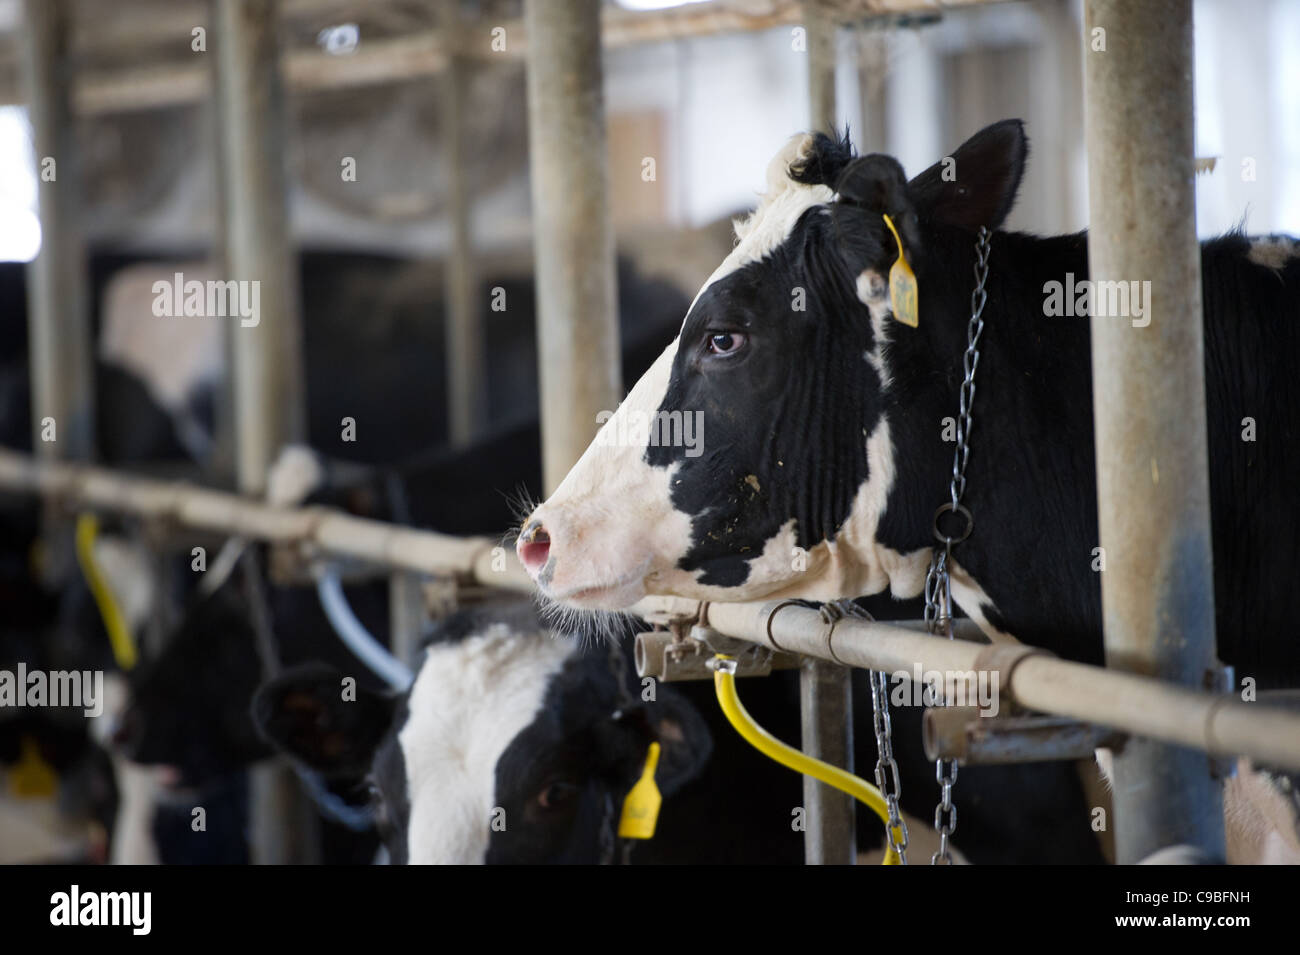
(1031,478)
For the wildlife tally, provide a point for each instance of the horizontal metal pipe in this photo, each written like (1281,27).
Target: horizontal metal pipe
(1135,704)
(970,735)
(1140,705)
(331,532)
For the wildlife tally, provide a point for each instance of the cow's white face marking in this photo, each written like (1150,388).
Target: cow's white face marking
(613,532)
(622,537)
(873,292)
(761,233)
(470,699)
(610,493)
(172,358)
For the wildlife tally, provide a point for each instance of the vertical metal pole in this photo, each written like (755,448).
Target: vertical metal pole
(405,614)
(873,76)
(466,393)
(573,234)
(820,31)
(1149,400)
(266,364)
(825,689)
(59,336)
(826,714)
(266,357)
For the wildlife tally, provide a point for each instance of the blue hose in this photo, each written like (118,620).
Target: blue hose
(355,636)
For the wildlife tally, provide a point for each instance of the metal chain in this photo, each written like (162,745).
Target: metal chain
(887,778)
(887,781)
(970,362)
(938,581)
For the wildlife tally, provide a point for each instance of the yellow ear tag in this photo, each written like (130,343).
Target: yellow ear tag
(641,807)
(902,284)
(32,777)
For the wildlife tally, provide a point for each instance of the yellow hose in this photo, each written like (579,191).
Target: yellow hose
(767,744)
(119,636)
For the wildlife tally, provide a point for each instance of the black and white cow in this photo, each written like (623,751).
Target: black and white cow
(823,454)
(504,715)
(512,745)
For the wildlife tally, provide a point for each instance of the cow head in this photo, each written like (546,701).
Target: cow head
(755,458)
(512,744)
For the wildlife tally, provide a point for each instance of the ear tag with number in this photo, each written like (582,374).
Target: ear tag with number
(32,777)
(641,807)
(902,284)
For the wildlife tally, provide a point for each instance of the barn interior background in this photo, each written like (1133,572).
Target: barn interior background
(404,140)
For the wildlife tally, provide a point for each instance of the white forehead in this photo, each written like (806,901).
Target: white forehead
(469,701)
(761,233)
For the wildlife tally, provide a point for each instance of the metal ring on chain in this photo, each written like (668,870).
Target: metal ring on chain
(949,508)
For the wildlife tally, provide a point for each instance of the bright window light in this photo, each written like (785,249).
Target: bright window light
(20,229)
(646,5)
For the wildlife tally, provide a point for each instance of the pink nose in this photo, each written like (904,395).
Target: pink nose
(533,547)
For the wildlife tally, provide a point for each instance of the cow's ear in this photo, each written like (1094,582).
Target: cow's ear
(876,186)
(323,719)
(975,186)
(685,742)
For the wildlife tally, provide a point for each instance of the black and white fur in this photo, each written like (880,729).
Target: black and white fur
(824,427)
(512,745)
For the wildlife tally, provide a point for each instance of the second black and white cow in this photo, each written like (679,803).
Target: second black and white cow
(822,418)
(512,745)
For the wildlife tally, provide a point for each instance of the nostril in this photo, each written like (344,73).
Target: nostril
(534,546)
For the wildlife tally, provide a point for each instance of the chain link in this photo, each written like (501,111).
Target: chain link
(887,780)
(938,580)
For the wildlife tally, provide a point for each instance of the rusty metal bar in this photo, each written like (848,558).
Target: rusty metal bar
(573,234)
(968,734)
(1149,402)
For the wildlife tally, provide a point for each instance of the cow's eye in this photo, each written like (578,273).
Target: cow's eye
(726,343)
(556,794)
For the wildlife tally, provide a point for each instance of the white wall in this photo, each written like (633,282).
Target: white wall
(732,101)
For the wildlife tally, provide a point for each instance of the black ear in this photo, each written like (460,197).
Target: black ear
(877,185)
(310,714)
(685,743)
(976,186)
